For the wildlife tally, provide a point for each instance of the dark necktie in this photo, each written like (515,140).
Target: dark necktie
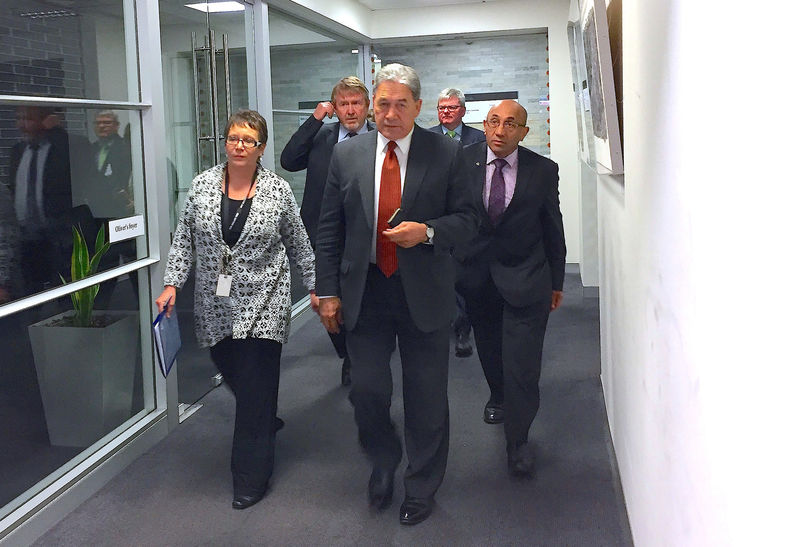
(31,209)
(350,134)
(388,203)
(497,191)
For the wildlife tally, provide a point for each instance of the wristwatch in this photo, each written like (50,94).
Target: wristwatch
(429,233)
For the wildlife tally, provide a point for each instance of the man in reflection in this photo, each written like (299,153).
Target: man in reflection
(451,108)
(111,168)
(311,148)
(41,187)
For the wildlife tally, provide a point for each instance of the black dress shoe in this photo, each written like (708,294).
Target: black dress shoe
(346,381)
(243,502)
(381,488)
(463,347)
(494,413)
(415,510)
(520,463)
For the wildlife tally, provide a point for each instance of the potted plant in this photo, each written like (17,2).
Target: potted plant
(85,359)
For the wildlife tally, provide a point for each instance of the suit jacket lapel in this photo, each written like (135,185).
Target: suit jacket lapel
(416,167)
(478,181)
(366,181)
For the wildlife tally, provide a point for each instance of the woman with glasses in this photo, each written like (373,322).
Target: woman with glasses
(242,223)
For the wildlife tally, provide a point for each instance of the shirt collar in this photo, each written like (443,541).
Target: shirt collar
(511,158)
(457,130)
(403,144)
(344,131)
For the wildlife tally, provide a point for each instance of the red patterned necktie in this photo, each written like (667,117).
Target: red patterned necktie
(388,203)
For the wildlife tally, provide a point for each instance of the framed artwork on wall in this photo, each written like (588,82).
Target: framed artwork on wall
(601,125)
(578,86)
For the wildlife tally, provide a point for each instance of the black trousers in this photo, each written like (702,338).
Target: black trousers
(339,344)
(509,341)
(251,368)
(383,324)
(461,325)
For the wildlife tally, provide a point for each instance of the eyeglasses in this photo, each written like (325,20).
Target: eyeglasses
(494,123)
(247,142)
(448,108)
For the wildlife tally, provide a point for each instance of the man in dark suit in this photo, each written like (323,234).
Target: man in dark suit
(451,108)
(109,175)
(41,188)
(512,274)
(311,147)
(394,285)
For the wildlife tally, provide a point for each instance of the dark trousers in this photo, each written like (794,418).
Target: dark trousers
(383,323)
(251,368)
(461,325)
(509,341)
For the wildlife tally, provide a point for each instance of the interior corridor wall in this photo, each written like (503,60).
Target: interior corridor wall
(697,328)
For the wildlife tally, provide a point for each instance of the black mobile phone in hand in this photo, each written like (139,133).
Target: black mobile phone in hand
(396,218)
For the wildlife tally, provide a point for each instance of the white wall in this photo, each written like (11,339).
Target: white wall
(498,16)
(698,304)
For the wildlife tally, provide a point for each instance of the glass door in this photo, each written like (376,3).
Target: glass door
(205,63)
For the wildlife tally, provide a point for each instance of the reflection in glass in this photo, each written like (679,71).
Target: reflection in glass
(77,51)
(62,168)
(64,388)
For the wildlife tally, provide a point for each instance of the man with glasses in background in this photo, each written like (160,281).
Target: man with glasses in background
(512,274)
(311,148)
(451,109)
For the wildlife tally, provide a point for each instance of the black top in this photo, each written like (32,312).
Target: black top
(229,207)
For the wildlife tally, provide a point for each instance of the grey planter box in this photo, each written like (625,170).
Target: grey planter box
(85,376)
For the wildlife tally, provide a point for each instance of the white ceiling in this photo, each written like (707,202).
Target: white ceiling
(398,4)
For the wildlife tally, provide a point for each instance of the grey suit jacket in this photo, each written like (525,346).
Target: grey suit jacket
(525,253)
(469,135)
(310,148)
(434,172)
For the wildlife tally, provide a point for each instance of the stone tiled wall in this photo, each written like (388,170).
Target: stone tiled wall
(39,57)
(510,63)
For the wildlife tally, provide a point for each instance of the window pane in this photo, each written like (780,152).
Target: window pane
(62,168)
(63,388)
(76,49)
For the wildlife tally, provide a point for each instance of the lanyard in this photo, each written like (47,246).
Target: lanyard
(241,205)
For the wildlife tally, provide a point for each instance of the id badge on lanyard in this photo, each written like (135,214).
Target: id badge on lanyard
(225,278)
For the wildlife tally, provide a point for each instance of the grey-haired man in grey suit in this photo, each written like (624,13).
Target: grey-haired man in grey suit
(391,213)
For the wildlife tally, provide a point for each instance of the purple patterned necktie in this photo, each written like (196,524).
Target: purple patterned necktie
(497,191)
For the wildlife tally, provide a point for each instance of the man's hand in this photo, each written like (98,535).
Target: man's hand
(556,299)
(330,313)
(407,234)
(323,109)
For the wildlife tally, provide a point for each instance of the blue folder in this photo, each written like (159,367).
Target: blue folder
(167,336)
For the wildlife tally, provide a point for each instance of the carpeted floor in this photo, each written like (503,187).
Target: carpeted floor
(179,493)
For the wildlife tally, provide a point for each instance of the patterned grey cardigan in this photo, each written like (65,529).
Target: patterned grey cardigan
(259,305)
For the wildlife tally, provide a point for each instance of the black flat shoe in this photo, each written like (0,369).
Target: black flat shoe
(463,347)
(243,502)
(494,413)
(415,510)
(381,488)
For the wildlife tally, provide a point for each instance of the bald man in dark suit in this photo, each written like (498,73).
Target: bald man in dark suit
(512,274)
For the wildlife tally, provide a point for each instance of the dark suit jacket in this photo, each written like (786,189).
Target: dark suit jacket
(469,135)
(57,176)
(525,254)
(108,187)
(310,148)
(434,172)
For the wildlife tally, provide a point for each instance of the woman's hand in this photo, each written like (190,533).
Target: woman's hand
(167,296)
